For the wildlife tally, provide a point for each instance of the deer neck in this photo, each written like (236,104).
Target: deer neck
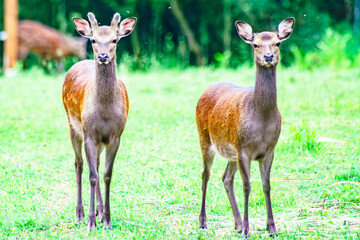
(106,82)
(265,96)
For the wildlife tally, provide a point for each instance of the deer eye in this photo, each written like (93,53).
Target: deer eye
(114,41)
(92,41)
(278,44)
(256,46)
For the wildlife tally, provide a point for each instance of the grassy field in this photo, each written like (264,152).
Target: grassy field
(155,191)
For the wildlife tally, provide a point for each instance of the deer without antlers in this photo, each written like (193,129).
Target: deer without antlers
(48,44)
(243,124)
(96,104)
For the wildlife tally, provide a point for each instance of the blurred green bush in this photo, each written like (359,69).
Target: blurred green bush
(322,34)
(335,49)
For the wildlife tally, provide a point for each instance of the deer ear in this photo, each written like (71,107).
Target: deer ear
(245,31)
(126,27)
(82,27)
(285,28)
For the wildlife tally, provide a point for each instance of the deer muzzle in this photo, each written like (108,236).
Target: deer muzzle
(103,57)
(268,57)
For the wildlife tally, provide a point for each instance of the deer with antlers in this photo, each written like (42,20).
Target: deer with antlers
(96,104)
(243,124)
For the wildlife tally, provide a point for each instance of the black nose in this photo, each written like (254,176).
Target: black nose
(268,57)
(103,57)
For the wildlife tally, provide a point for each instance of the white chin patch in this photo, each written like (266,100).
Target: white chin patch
(103,62)
(268,64)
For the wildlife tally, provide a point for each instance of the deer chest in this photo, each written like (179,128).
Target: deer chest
(105,123)
(260,137)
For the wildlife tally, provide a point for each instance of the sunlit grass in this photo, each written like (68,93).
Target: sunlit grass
(155,191)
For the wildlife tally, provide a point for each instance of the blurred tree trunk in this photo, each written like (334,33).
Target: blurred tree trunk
(135,43)
(61,22)
(194,46)
(11,14)
(356,24)
(156,38)
(227,25)
(204,38)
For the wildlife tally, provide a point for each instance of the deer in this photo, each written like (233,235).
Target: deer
(48,43)
(96,103)
(243,124)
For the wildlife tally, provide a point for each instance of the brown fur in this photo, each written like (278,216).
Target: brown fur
(97,105)
(78,84)
(242,124)
(47,43)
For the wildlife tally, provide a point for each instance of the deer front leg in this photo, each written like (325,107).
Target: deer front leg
(99,201)
(265,168)
(91,154)
(111,151)
(60,65)
(244,167)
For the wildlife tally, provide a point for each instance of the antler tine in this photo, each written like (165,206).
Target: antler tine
(92,20)
(115,21)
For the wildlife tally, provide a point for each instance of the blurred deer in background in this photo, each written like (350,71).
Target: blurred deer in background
(96,103)
(243,124)
(48,43)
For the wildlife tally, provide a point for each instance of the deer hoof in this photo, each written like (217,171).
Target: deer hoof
(238,228)
(245,236)
(245,233)
(107,228)
(273,235)
(272,230)
(107,222)
(99,212)
(91,223)
(79,214)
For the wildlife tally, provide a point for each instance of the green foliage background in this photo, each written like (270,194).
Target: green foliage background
(159,41)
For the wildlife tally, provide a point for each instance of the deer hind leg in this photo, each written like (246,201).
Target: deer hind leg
(45,65)
(265,168)
(244,167)
(228,180)
(60,65)
(99,201)
(111,151)
(208,158)
(22,54)
(76,141)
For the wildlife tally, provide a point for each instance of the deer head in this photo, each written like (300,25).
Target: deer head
(77,46)
(104,38)
(266,44)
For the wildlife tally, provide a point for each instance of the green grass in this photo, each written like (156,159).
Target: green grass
(155,191)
